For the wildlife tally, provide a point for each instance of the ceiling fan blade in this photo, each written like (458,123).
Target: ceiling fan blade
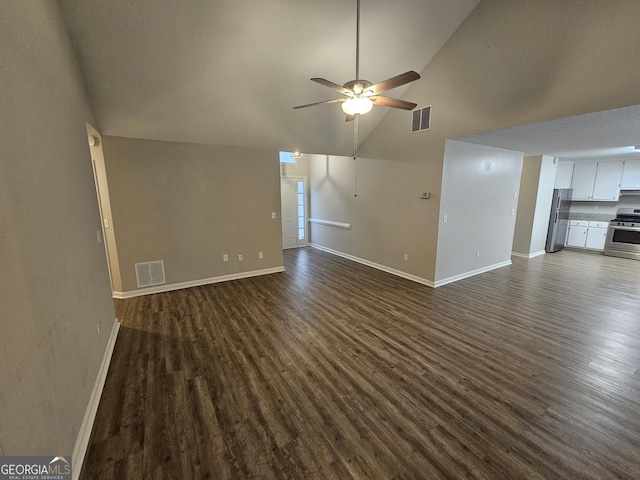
(349,118)
(334,86)
(394,103)
(320,103)
(393,82)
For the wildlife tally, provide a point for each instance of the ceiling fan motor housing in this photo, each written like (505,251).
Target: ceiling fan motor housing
(358,87)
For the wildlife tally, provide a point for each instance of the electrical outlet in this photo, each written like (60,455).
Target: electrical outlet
(240,258)
(513,212)
(260,255)
(406,256)
(98,328)
(478,254)
(225,257)
(273,215)
(445,219)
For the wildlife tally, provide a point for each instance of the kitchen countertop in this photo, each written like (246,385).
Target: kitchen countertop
(591,217)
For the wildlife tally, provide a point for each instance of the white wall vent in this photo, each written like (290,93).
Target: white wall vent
(421,119)
(150,273)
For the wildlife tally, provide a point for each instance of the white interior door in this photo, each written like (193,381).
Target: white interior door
(294,217)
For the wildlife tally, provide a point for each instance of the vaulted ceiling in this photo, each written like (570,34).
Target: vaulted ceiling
(228,72)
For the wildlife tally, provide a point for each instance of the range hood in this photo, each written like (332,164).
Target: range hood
(630,192)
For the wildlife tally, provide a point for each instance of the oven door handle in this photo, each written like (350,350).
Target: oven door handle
(628,229)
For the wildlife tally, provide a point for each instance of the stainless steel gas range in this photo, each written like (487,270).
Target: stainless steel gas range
(623,235)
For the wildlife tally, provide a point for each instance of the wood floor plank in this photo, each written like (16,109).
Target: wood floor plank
(334,370)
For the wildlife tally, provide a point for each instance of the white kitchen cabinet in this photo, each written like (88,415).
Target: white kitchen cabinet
(630,175)
(577,233)
(607,183)
(563,175)
(597,181)
(596,235)
(586,234)
(584,177)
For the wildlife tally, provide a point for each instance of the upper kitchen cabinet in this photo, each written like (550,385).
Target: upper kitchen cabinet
(584,177)
(597,181)
(631,175)
(608,178)
(563,175)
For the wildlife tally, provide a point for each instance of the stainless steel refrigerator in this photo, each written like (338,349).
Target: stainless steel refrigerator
(558,220)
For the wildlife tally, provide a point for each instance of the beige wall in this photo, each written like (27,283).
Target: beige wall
(534,204)
(548,169)
(380,200)
(332,187)
(479,197)
(54,283)
(509,63)
(527,204)
(189,204)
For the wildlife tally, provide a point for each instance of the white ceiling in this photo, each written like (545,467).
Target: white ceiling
(608,133)
(229,72)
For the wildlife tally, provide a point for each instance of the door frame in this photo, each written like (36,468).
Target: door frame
(298,178)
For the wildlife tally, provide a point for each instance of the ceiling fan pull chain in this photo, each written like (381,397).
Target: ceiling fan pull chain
(355,135)
(355,155)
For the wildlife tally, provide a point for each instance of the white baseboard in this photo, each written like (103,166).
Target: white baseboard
(471,273)
(196,283)
(408,276)
(384,268)
(82,442)
(528,255)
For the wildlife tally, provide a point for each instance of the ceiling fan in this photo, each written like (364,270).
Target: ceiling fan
(359,96)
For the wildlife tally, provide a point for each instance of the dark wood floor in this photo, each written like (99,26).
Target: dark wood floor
(336,370)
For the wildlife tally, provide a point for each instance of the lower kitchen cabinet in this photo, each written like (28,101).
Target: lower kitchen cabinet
(577,233)
(596,235)
(589,235)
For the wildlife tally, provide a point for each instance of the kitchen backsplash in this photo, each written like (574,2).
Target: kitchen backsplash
(601,211)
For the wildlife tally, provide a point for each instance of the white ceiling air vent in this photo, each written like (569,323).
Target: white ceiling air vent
(421,119)
(150,273)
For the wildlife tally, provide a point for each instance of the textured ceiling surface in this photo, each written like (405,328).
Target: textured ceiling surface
(605,133)
(228,72)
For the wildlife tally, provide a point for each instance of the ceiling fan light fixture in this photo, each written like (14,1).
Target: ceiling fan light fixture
(357,106)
